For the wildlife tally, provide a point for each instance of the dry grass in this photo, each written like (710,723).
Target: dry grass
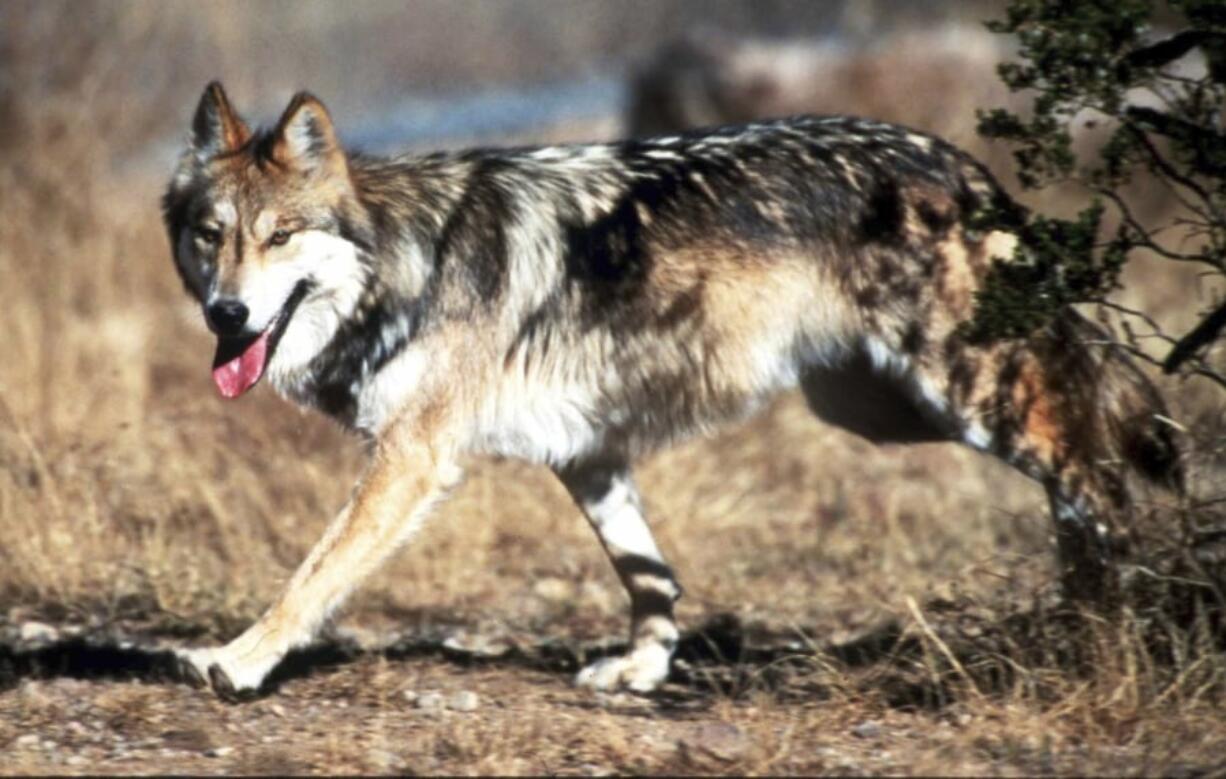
(128,488)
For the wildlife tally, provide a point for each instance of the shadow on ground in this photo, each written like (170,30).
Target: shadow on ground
(941,652)
(721,656)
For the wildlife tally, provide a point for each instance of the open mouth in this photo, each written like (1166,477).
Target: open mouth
(240,362)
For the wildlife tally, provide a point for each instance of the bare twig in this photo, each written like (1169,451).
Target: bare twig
(1160,162)
(1202,334)
(1144,235)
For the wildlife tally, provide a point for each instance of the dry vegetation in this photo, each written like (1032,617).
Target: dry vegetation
(131,494)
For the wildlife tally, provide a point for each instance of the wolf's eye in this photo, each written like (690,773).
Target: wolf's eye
(209,235)
(279,238)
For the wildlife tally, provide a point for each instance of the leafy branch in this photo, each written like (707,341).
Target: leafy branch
(1160,101)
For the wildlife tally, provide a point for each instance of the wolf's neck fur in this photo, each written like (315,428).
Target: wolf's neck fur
(396,223)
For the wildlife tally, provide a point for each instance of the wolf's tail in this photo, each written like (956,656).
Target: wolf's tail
(1131,422)
(1117,433)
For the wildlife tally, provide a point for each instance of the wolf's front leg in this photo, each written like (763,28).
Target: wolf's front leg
(400,487)
(607,495)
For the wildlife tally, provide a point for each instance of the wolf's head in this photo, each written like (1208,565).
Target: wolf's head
(267,233)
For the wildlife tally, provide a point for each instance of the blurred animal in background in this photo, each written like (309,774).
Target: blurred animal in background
(578,306)
(930,79)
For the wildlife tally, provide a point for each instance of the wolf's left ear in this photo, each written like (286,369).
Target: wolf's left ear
(216,127)
(305,138)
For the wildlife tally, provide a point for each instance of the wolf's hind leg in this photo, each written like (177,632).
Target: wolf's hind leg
(607,495)
(1084,546)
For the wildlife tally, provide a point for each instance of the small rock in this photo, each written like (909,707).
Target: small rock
(464,700)
(720,740)
(50,746)
(68,686)
(429,701)
(33,694)
(385,761)
(277,710)
(867,729)
(218,751)
(76,760)
(190,739)
(476,644)
(554,589)
(37,632)
(27,740)
(610,700)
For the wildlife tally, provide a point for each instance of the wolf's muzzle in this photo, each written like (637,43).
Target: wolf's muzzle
(227,317)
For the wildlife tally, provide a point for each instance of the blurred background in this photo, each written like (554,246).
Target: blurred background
(425,71)
(128,488)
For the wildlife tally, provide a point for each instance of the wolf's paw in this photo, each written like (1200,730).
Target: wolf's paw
(211,668)
(642,670)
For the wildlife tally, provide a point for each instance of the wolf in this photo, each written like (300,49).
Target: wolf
(578,306)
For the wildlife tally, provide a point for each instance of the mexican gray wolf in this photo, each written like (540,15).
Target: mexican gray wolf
(577,306)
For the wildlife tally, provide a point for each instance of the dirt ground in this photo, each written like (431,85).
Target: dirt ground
(461,704)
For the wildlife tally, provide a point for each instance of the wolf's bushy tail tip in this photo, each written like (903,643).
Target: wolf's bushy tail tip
(1149,445)
(1137,419)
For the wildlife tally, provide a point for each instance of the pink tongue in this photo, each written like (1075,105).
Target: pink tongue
(235,375)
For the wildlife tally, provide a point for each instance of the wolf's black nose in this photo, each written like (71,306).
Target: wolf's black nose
(228,317)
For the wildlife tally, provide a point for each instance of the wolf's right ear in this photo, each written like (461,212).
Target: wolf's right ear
(216,128)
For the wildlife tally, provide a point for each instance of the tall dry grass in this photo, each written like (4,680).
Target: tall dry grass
(127,487)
